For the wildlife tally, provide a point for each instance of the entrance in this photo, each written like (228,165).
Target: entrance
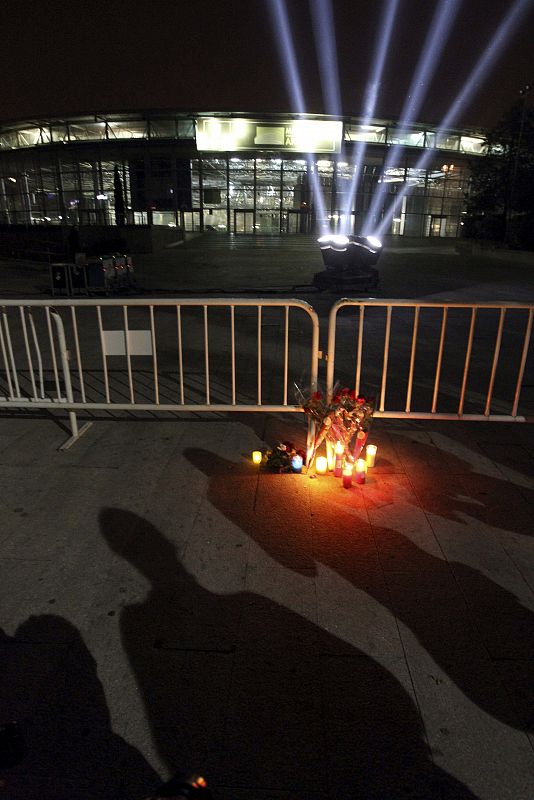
(296,221)
(437,225)
(268,222)
(243,221)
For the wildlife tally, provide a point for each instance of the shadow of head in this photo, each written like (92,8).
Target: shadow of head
(211,464)
(137,541)
(275,522)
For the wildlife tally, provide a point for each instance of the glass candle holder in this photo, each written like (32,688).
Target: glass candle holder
(330,455)
(361,468)
(338,462)
(370,454)
(296,463)
(257,456)
(321,465)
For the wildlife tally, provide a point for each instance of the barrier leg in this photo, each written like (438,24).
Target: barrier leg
(76,433)
(309,442)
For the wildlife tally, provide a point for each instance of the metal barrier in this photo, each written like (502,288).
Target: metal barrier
(63,354)
(454,354)
(160,378)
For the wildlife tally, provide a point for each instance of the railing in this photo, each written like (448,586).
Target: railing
(449,376)
(227,355)
(158,370)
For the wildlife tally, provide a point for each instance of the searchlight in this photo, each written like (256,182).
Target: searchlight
(375,243)
(336,242)
(349,262)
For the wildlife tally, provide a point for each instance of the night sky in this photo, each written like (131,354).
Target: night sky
(78,56)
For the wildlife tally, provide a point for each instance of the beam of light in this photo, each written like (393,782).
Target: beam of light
(478,76)
(370,99)
(324,33)
(482,69)
(287,53)
(435,42)
(436,39)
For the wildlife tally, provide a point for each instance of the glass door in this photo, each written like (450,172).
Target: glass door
(296,221)
(243,221)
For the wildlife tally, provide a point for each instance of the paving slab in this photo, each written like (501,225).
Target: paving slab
(460,734)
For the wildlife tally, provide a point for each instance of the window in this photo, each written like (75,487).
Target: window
(127,130)
(59,133)
(295,183)
(406,137)
(162,129)
(447,141)
(214,177)
(268,175)
(8,140)
(185,129)
(365,133)
(473,144)
(241,172)
(86,131)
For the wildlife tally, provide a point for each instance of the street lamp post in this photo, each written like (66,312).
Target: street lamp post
(523,92)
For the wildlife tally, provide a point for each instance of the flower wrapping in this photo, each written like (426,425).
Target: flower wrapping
(338,419)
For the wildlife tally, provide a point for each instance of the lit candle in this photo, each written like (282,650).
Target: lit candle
(360,470)
(257,456)
(321,465)
(296,463)
(338,463)
(370,452)
(347,476)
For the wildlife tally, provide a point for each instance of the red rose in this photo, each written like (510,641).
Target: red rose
(317,395)
(352,394)
(360,400)
(345,391)
(337,398)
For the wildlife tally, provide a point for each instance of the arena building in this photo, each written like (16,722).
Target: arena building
(233,173)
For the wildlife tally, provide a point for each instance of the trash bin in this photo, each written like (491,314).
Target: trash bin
(121,271)
(109,273)
(78,279)
(124,272)
(130,272)
(59,279)
(100,273)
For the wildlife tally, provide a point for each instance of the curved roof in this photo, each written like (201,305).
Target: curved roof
(200,125)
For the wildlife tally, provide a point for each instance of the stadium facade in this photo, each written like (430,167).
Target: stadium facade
(234,173)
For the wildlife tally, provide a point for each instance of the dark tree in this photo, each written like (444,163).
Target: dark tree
(501,201)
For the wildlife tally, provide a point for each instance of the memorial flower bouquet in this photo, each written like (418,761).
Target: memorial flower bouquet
(279,458)
(344,417)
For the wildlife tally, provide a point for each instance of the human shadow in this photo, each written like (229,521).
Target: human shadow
(466,622)
(450,486)
(49,686)
(259,696)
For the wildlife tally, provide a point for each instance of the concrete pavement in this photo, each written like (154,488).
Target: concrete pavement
(213,264)
(166,606)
